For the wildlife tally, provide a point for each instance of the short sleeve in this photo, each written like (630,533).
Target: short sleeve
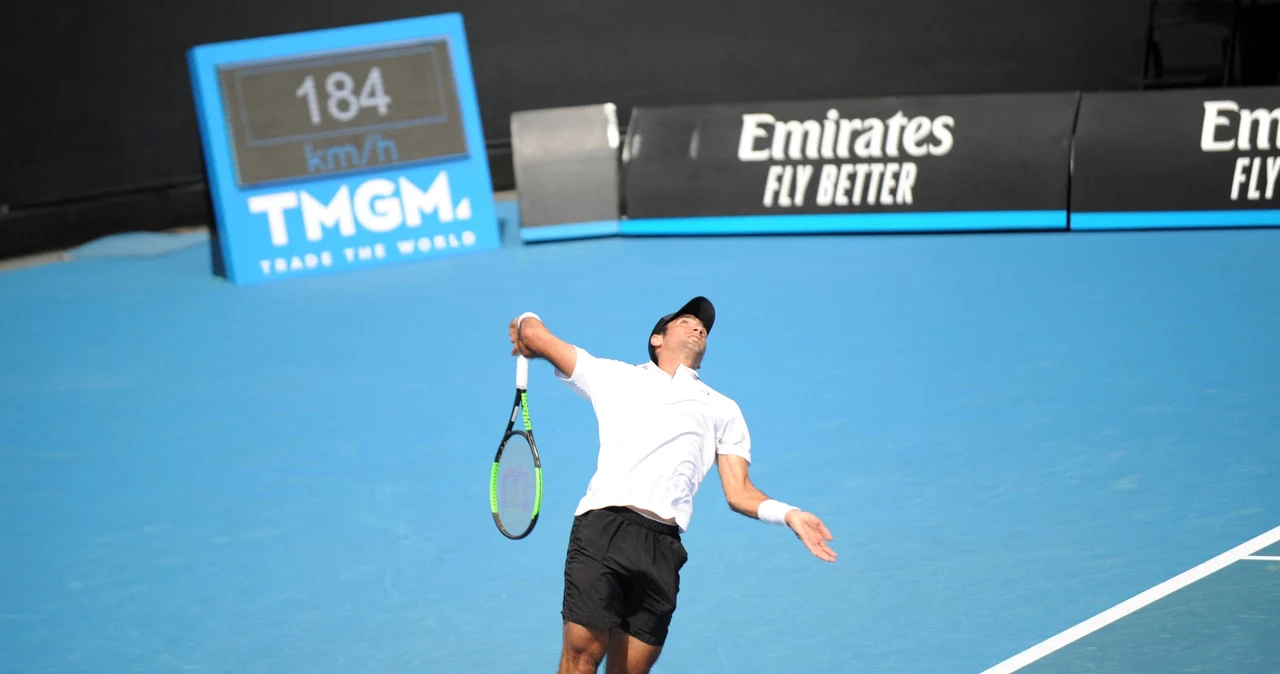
(734,437)
(583,373)
(593,378)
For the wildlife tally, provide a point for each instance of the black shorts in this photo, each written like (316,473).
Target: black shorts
(623,570)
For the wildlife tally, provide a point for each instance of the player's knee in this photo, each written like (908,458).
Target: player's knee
(584,663)
(583,652)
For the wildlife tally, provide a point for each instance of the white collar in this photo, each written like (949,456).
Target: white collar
(680,369)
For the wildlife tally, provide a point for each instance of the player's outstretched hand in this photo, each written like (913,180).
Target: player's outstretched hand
(813,533)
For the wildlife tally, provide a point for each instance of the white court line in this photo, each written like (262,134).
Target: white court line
(1262,558)
(1132,604)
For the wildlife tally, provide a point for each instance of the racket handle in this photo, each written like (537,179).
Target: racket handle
(522,372)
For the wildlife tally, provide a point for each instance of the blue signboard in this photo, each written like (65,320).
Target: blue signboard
(346,148)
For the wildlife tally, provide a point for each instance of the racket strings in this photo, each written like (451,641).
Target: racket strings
(517,488)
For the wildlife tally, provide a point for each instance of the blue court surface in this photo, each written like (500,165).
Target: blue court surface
(1063,448)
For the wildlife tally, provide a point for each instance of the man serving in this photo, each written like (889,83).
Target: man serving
(661,428)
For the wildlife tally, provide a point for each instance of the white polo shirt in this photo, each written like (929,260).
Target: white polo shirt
(659,435)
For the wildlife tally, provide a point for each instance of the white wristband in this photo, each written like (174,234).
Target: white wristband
(774,512)
(527,314)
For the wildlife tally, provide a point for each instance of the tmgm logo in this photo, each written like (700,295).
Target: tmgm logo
(374,205)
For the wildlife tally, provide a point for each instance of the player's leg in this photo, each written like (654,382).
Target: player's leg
(629,655)
(594,589)
(583,650)
(653,557)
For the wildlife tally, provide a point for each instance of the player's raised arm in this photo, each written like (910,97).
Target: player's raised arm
(532,339)
(745,498)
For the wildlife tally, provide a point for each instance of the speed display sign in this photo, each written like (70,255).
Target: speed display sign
(343,148)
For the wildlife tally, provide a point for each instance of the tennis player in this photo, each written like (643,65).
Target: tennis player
(661,428)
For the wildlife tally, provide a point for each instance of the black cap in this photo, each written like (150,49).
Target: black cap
(698,306)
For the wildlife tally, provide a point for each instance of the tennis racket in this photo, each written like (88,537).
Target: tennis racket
(515,482)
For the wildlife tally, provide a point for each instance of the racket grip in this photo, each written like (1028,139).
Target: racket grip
(522,372)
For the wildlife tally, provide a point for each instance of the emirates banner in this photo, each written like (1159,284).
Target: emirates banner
(1184,158)
(988,162)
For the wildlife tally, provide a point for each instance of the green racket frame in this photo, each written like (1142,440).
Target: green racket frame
(519,410)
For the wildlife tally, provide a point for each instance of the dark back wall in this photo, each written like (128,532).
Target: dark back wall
(97,104)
